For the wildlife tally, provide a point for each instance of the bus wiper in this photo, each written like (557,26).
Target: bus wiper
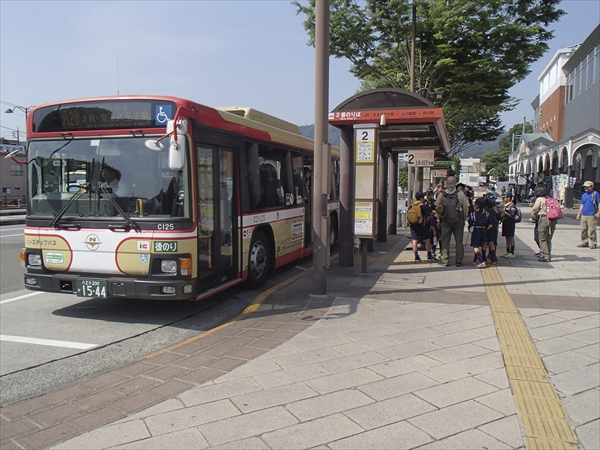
(131,223)
(64,209)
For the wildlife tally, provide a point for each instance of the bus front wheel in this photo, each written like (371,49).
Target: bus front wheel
(258,260)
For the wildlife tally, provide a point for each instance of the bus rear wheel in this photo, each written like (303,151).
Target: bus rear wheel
(258,260)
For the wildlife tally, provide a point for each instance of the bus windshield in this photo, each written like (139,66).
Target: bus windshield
(100,173)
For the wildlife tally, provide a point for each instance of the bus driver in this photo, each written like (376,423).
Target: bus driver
(112,181)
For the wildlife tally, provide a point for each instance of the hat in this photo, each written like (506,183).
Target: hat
(429,191)
(588,184)
(462,185)
(480,202)
(507,195)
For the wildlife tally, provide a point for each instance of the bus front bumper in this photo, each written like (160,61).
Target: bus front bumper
(167,289)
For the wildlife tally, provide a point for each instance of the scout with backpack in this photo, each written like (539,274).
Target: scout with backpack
(450,208)
(414,215)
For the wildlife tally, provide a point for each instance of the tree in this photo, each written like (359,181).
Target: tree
(497,161)
(472,50)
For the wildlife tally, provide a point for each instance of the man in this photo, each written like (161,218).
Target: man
(112,181)
(453,207)
(588,213)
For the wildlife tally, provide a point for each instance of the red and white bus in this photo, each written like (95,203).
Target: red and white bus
(157,197)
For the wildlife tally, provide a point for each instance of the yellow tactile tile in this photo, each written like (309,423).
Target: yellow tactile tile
(538,405)
(526,373)
(548,444)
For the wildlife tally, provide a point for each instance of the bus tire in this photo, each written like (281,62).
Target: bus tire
(259,260)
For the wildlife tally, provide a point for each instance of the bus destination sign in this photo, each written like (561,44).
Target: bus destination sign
(103,115)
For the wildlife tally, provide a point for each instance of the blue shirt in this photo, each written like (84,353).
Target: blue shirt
(588,204)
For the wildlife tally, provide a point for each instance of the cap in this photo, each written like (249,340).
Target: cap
(429,191)
(480,201)
(588,184)
(508,195)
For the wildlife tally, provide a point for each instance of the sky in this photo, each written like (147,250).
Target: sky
(218,53)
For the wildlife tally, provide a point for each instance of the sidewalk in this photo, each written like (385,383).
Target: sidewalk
(408,355)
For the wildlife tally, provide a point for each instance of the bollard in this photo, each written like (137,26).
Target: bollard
(402,222)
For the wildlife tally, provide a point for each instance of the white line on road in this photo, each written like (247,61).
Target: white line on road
(10,235)
(48,342)
(8,300)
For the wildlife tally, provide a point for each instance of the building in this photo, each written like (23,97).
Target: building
(563,151)
(470,171)
(13,175)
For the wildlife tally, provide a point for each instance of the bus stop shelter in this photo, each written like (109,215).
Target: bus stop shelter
(405,122)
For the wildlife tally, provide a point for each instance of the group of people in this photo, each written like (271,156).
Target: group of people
(444,215)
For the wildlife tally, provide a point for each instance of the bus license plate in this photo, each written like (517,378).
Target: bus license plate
(88,287)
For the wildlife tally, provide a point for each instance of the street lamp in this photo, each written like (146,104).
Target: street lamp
(20,108)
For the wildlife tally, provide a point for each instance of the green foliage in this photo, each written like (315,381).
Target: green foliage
(403,177)
(496,162)
(472,50)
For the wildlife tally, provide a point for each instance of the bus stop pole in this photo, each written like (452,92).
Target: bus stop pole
(319,192)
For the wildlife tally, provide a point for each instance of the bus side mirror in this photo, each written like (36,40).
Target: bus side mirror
(177,143)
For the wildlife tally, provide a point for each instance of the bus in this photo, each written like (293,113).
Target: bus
(157,197)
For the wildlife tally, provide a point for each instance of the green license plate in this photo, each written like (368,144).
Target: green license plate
(90,287)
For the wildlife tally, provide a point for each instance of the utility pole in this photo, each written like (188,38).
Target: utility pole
(322,158)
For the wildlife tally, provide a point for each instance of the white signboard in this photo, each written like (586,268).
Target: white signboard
(421,158)
(365,145)
(439,173)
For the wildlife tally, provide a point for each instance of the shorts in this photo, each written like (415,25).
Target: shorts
(492,234)
(420,232)
(508,228)
(478,238)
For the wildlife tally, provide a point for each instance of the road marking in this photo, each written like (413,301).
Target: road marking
(11,235)
(8,300)
(47,342)
(539,407)
(252,307)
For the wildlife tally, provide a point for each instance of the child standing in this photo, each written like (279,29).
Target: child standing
(479,224)
(509,212)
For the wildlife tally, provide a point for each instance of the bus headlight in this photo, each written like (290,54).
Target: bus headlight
(168,266)
(34,259)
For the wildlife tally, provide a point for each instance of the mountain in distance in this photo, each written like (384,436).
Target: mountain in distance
(333,137)
(476,150)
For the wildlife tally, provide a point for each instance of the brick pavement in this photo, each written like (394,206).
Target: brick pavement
(336,371)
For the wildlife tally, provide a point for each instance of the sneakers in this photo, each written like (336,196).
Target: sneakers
(543,260)
(538,255)
(582,245)
(481,265)
(509,255)
(431,258)
(505,255)
(458,264)
(417,258)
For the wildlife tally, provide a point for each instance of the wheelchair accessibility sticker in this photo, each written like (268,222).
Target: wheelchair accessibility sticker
(162,114)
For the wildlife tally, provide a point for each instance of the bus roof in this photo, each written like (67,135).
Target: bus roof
(259,116)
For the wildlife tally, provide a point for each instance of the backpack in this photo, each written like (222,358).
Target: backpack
(553,209)
(414,215)
(518,215)
(489,200)
(454,212)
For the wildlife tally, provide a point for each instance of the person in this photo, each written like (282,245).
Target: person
(112,180)
(536,234)
(503,190)
(420,232)
(509,211)
(546,227)
(588,215)
(491,206)
(433,223)
(480,223)
(452,226)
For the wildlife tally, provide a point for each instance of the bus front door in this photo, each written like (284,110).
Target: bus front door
(216,227)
